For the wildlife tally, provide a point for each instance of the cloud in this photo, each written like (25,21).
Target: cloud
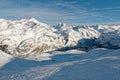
(42,12)
(55,11)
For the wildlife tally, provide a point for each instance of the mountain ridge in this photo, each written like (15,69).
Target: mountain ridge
(29,36)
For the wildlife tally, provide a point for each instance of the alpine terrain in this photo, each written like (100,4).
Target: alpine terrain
(32,50)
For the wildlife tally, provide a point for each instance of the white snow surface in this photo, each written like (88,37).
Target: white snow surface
(4,58)
(97,64)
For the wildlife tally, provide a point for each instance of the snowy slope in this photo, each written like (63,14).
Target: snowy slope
(97,64)
(5,58)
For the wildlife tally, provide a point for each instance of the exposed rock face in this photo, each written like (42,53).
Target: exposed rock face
(4,48)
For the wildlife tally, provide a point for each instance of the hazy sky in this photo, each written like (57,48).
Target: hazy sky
(67,11)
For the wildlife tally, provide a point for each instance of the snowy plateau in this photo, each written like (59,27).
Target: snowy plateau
(32,50)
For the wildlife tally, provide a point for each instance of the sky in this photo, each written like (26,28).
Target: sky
(65,11)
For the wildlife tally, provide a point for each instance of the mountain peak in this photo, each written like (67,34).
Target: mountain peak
(34,20)
(61,24)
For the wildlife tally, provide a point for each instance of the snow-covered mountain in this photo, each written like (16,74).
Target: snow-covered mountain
(110,36)
(74,35)
(29,36)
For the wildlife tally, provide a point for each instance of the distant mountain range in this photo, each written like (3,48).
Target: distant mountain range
(29,36)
